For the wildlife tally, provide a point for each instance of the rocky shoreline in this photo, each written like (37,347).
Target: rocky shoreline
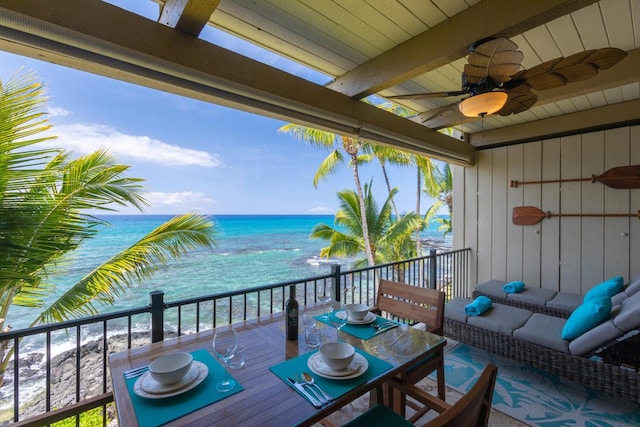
(440,245)
(93,379)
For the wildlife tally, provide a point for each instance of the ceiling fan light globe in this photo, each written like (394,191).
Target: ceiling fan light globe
(483,104)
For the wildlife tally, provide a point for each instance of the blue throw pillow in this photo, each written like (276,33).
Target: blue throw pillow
(587,316)
(608,288)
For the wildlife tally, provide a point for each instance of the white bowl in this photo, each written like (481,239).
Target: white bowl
(337,355)
(170,368)
(357,311)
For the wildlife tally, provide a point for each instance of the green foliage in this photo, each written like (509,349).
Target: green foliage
(443,190)
(44,199)
(92,418)
(390,239)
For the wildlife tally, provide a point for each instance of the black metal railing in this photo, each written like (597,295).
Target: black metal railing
(89,341)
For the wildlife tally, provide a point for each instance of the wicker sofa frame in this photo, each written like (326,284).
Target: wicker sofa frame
(613,380)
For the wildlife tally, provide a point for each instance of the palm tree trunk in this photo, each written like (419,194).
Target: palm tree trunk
(418,198)
(386,179)
(363,214)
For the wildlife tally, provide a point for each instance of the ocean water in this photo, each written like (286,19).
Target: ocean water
(252,250)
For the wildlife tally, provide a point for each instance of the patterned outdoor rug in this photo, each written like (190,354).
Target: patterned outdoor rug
(536,397)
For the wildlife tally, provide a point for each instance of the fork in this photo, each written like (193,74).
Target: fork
(135,372)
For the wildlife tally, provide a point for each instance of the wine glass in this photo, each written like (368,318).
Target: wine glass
(338,317)
(324,294)
(309,319)
(225,344)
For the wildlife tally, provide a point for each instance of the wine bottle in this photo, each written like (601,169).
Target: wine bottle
(291,310)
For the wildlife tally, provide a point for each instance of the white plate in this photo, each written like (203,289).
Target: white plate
(370,317)
(357,367)
(149,388)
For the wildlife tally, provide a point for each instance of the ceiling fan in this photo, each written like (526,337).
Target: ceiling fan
(495,83)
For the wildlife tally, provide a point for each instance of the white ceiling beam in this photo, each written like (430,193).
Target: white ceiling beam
(95,36)
(189,16)
(449,41)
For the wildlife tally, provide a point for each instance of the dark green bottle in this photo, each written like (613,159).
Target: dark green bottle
(291,311)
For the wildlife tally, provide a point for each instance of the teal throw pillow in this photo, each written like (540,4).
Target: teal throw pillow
(587,316)
(608,288)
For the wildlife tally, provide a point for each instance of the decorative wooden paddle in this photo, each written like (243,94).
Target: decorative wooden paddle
(621,177)
(530,215)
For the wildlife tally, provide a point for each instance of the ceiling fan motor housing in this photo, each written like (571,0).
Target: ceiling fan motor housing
(485,85)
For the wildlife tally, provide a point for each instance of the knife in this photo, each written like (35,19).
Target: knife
(315,402)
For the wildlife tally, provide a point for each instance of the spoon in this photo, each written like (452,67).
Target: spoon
(308,379)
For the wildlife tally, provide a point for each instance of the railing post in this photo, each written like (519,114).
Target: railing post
(157,315)
(433,268)
(335,281)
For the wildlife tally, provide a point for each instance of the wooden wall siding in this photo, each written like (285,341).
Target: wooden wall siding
(570,233)
(568,254)
(514,237)
(484,205)
(634,199)
(549,231)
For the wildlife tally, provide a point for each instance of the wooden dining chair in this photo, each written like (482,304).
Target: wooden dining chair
(472,410)
(415,305)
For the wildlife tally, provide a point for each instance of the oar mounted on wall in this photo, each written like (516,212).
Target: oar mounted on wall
(530,215)
(621,177)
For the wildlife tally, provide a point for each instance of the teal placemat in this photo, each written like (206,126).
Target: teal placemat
(155,412)
(364,332)
(294,367)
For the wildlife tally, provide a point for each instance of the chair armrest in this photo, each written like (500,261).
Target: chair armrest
(420,395)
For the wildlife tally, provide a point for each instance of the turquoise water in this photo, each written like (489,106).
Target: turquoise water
(252,250)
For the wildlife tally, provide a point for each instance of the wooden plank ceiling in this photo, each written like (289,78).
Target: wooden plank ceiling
(364,47)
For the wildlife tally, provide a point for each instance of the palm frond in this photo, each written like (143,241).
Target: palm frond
(315,137)
(135,264)
(329,166)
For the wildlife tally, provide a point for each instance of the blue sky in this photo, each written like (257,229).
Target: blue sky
(196,156)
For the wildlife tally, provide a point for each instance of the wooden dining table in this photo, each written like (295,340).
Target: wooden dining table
(266,399)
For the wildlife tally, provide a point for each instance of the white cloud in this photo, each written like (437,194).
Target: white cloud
(157,199)
(87,138)
(58,112)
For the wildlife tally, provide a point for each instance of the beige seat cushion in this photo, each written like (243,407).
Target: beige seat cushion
(500,318)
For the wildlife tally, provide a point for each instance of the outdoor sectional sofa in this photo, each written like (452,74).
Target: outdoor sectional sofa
(538,300)
(534,338)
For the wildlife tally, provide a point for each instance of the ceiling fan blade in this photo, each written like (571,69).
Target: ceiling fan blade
(578,72)
(539,78)
(518,102)
(428,95)
(579,66)
(575,68)
(497,58)
(606,57)
(447,114)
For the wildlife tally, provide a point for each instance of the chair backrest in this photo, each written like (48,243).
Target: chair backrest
(474,407)
(412,302)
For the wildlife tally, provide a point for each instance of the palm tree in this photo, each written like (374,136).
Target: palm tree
(390,240)
(444,198)
(44,198)
(392,156)
(359,152)
(331,164)
(425,181)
